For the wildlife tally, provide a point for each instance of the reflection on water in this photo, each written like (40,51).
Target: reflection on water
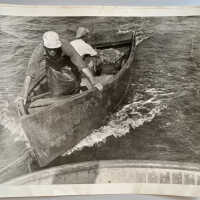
(160,119)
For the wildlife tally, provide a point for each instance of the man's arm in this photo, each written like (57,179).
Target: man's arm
(77,60)
(89,75)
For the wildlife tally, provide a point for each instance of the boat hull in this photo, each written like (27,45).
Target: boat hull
(60,126)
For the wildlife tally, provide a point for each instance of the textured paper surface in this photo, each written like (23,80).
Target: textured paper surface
(6,9)
(189,177)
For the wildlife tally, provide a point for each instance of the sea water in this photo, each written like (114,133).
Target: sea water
(160,117)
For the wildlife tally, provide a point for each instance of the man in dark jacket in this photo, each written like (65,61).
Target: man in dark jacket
(63,66)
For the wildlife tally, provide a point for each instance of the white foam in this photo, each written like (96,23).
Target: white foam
(120,123)
(9,121)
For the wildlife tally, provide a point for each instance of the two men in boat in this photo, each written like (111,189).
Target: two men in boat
(63,65)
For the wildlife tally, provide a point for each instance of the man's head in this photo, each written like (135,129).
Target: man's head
(81,32)
(51,42)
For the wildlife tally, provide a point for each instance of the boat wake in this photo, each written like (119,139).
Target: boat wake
(130,116)
(10,121)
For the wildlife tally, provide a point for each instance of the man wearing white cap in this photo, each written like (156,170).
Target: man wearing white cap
(63,66)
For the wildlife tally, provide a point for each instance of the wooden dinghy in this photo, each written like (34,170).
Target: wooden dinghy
(55,125)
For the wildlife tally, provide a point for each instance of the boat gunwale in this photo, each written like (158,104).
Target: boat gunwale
(102,164)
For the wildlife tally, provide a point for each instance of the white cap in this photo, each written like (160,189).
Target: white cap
(51,40)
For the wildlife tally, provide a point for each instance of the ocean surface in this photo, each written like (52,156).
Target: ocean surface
(160,119)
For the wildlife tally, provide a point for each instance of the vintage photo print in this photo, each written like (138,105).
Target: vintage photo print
(99,104)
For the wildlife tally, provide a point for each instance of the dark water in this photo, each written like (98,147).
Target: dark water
(160,119)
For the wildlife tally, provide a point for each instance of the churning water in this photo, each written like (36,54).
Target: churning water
(160,118)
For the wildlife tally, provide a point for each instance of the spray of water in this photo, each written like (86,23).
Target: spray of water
(132,115)
(10,121)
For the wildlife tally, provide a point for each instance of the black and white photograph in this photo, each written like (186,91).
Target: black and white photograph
(99,100)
